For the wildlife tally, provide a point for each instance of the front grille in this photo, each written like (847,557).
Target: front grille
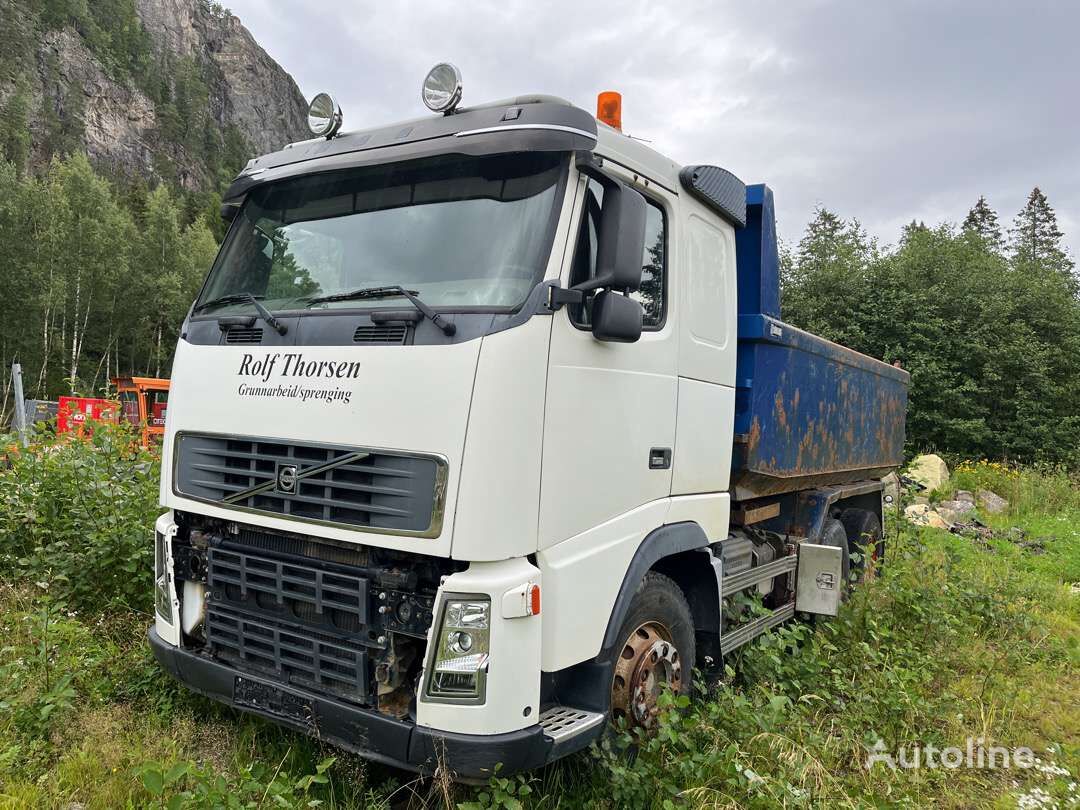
(304,622)
(380,333)
(293,655)
(244,335)
(333,600)
(375,490)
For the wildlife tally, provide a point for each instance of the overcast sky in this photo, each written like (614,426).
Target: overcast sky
(884,111)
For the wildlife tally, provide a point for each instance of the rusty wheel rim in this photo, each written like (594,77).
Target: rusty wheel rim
(647,662)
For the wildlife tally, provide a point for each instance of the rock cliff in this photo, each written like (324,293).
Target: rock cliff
(179,90)
(252,91)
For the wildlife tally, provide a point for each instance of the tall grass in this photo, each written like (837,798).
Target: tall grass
(953,639)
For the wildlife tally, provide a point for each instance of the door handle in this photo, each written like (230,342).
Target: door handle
(660,458)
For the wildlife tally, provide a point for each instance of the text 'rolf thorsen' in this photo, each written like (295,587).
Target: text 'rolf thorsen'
(294,365)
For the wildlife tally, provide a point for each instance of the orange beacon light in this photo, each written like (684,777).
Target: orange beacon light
(609,109)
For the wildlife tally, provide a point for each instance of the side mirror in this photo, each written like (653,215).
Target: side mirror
(229,211)
(621,241)
(621,237)
(616,318)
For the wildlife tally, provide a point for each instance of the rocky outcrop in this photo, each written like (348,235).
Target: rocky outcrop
(74,100)
(253,92)
(119,127)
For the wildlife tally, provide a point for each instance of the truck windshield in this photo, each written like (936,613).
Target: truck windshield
(460,231)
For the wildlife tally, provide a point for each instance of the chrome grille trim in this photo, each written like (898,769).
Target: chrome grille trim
(360,488)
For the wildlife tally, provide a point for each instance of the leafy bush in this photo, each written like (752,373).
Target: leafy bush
(76,519)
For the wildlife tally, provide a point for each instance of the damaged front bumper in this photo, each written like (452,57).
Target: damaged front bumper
(399,743)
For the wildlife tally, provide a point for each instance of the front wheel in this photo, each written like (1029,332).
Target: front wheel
(657,651)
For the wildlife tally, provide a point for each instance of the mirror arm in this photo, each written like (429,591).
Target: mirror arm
(558,297)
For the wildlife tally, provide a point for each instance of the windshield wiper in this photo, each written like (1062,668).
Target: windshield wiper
(231,298)
(246,298)
(390,291)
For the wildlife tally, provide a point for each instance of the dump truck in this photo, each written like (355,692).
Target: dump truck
(485,430)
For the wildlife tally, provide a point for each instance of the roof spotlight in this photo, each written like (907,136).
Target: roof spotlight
(442,88)
(324,116)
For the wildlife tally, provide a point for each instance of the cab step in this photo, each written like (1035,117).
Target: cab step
(729,642)
(563,722)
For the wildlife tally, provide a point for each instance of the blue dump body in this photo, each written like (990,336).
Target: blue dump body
(808,412)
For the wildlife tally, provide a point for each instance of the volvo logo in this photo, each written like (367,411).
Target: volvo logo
(286,478)
(288,475)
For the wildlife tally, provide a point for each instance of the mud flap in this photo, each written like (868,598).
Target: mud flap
(819,584)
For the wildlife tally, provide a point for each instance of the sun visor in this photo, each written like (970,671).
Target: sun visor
(507,127)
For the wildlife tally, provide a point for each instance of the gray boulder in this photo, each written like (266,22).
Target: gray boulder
(955,511)
(991,503)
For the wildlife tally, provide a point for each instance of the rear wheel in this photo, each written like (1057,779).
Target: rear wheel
(834,534)
(863,529)
(657,651)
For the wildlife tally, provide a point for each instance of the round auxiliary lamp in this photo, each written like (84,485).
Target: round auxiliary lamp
(441,91)
(324,116)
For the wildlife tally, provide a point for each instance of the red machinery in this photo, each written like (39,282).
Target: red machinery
(74,413)
(142,403)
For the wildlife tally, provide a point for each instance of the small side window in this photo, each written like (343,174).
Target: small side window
(652,295)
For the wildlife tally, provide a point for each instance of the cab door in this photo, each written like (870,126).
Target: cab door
(609,430)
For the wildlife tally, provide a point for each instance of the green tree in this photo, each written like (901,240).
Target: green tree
(20,283)
(1036,238)
(170,262)
(94,248)
(831,264)
(14,128)
(982,221)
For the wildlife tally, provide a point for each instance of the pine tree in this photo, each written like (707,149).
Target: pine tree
(982,220)
(829,265)
(1036,238)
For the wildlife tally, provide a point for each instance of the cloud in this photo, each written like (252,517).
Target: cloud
(886,112)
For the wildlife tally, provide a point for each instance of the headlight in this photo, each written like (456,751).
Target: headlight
(162,603)
(458,666)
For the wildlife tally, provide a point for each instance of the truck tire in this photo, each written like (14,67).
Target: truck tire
(834,534)
(657,650)
(863,529)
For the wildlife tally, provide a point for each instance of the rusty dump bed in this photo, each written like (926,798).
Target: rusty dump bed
(808,412)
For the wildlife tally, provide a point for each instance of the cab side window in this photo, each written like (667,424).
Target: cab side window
(652,295)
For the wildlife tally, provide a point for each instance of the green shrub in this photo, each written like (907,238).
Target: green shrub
(76,519)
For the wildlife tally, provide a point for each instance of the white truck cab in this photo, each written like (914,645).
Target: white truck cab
(466,450)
